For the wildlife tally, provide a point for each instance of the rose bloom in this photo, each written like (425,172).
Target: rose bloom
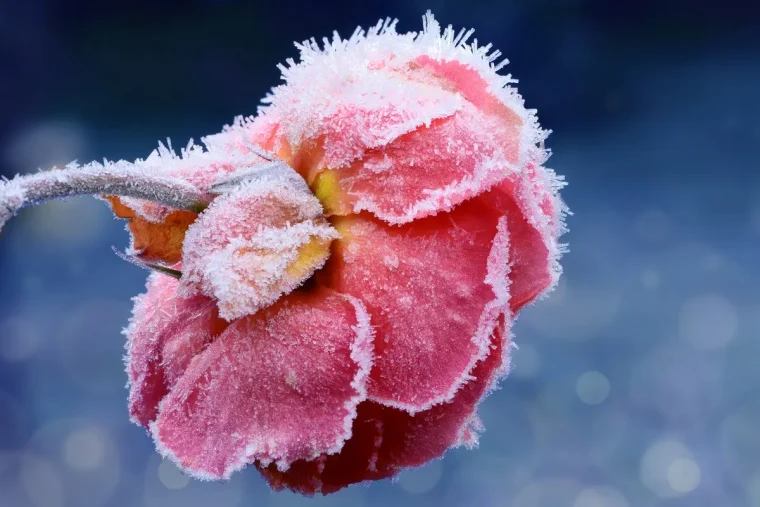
(344,303)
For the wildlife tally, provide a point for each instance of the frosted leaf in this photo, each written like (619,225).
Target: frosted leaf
(270,173)
(259,241)
(247,275)
(200,165)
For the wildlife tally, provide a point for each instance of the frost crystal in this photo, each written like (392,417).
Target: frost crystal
(116,178)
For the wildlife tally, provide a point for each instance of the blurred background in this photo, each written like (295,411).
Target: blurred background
(637,383)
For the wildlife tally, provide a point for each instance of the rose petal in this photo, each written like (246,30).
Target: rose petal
(433,168)
(536,220)
(386,440)
(434,290)
(412,440)
(341,119)
(277,386)
(400,174)
(535,187)
(166,331)
(155,241)
(357,113)
(328,473)
(401,127)
(467,80)
(255,244)
(531,266)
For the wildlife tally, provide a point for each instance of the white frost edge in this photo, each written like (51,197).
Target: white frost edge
(138,309)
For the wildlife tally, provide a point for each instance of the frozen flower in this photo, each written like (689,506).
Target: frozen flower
(345,266)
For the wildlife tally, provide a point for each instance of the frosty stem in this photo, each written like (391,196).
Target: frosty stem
(29,190)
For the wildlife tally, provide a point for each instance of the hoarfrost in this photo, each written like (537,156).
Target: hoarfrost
(260,240)
(110,178)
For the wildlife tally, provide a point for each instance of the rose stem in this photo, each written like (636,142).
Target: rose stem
(95,179)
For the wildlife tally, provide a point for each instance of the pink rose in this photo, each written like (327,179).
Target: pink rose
(344,303)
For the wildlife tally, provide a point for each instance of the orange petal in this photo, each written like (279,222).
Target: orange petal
(155,241)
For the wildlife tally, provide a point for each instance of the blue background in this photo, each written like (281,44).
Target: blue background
(637,383)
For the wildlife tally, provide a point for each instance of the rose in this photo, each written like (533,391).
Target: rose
(344,267)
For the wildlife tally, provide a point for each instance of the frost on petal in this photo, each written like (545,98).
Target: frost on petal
(401,125)
(276,387)
(434,290)
(413,440)
(365,110)
(373,111)
(536,221)
(525,257)
(386,440)
(255,244)
(356,461)
(433,168)
(165,333)
(248,133)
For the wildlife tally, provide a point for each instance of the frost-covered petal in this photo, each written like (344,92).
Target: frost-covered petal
(165,333)
(256,243)
(386,440)
(278,386)
(403,126)
(533,268)
(374,111)
(434,290)
(356,461)
(412,440)
(432,168)
(365,110)
(536,221)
